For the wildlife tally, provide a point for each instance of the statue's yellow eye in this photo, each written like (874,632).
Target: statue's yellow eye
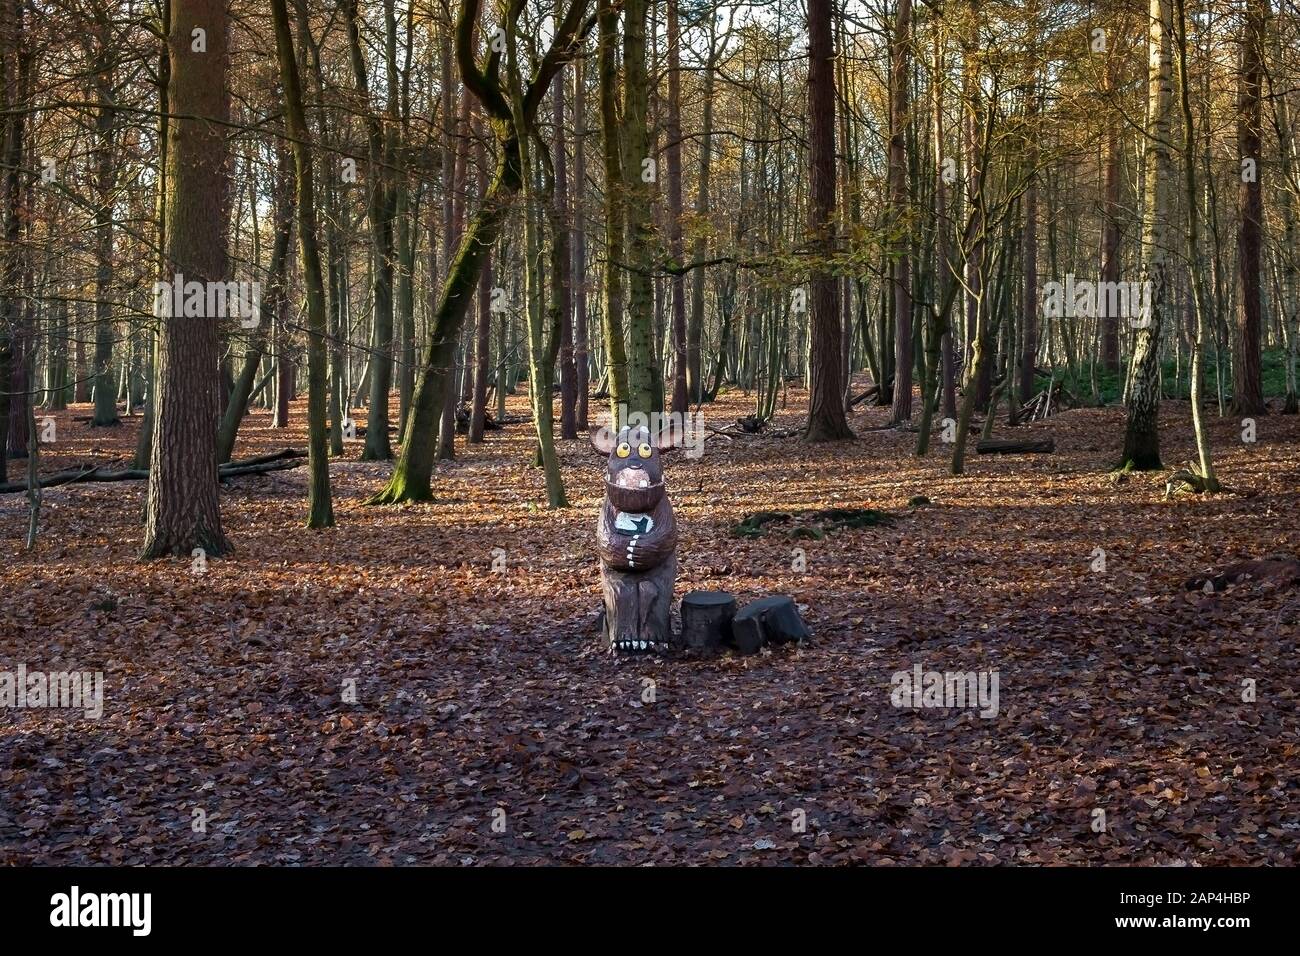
(623,449)
(644,450)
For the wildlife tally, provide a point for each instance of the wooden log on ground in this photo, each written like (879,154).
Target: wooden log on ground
(283,454)
(1016,446)
(706,620)
(50,481)
(1278,570)
(259,465)
(863,396)
(772,619)
(262,469)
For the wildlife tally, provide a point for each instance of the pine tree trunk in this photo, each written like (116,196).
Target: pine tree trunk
(105,393)
(182,510)
(826,420)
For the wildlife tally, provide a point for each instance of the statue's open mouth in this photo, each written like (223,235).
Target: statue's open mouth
(632,490)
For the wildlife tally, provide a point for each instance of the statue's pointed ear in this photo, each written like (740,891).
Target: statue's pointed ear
(672,436)
(603,440)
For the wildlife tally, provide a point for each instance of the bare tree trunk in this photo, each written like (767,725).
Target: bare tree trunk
(695,325)
(182,511)
(1290,303)
(411,478)
(1193,239)
(1029,258)
(644,386)
(483,331)
(381,147)
(276,294)
(581,345)
(1110,245)
(1247,387)
(320,509)
(105,394)
(680,399)
(562,294)
(826,420)
(1142,433)
(615,209)
(900,265)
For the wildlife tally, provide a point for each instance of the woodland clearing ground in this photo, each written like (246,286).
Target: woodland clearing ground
(477,690)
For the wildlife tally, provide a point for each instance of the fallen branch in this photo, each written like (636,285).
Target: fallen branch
(863,396)
(259,465)
(1278,570)
(1025,446)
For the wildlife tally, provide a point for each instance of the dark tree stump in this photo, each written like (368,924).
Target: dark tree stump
(774,619)
(706,619)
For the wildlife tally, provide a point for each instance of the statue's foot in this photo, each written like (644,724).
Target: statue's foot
(638,646)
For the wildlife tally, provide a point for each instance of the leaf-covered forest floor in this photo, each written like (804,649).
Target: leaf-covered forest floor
(478,690)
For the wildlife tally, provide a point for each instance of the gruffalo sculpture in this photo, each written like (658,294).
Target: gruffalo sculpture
(636,538)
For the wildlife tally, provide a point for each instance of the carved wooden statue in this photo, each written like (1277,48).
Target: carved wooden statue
(636,537)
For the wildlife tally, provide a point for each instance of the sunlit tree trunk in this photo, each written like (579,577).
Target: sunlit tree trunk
(1290,185)
(272,301)
(381,205)
(411,478)
(320,509)
(1193,240)
(1142,432)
